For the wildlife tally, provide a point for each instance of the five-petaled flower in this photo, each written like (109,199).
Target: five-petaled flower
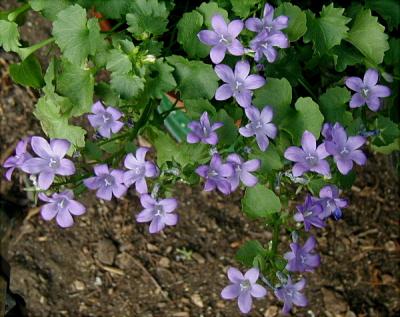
(50,162)
(223,38)
(61,206)
(243,287)
(158,212)
(237,84)
(310,213)
(331,203)
(301,258)
(241,171)
(267,23)
(16,161)
(203,130)
(289,294)
(105,120)
(264,45)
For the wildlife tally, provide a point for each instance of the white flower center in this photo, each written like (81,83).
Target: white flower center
(212,173)
(54,162)
(364,92)
(108,180)
(245,285)
(311,159)
(223,40)
(159,210)
(106,117)
(344,152)
(62,203)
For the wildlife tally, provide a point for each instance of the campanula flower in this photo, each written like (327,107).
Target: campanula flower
(367,90)
(241,171)
(301,258)
(331,203)
(158,212)
(50,162)
(309,157)
(138,170)
(16,161)
(310,213)
(260,125)
(203,130)
(237,84)
(223,38)
(289,294)
(105,120)
(61,206)
(264,45)
(243,287)
(267,22)
(106,182)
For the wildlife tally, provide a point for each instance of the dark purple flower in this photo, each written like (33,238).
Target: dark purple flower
(159,212)
(241,171)
(290,295)
(216,175)
(107,183)
(310,213)
(367,90)
(331,203)
(50,162)
(260,125)
(345,149)
(223,38)
(300,259)
(61,206)
(139,169)
(267,23)
(244,288)
(327,131)
(203,131)
(238,84)
(105,120)
(16,161)
(309,157)
(264,45)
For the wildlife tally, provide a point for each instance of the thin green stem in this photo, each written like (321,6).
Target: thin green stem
(26,51)
(307,87)
(12,16)
(275,234)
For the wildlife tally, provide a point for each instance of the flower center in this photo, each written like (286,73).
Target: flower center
(308,213)
(54,162)
(257,125)
(106,117)
(159,211)
(344,152)
(62,203)
(245,285)
(139,170)
(364,92)
(109,180)
(238,84)
(224,40)
(311,159)
(205,131)
(212,173)
(302,259)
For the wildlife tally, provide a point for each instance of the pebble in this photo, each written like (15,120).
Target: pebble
(181,314)
(124,260)
(196,299)
(198,258)
(78,285)
(272,311)
(334,303)
(390,246)
(164,262)
(152,247)
(106,251)
(98,281)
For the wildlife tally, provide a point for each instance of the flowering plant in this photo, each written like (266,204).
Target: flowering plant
(278,102)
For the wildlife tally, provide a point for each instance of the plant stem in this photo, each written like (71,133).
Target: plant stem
(307,87)
(275,234)
(24,52)
(12,16)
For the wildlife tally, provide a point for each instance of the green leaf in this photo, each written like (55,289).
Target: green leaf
(276,93)
(242,8)
(49,8)
(93,151)
(297,20)
(249,251)
(334,103)
(368,36)
(388,131)
(28,72)
(113,9)
(387,9)
(127,85)
(228,133)
(307,116)
(346,55)
(9,36)
(208,10)
(195,79)
(328,30)
(196,107)
(392,56)
(388,149)
(118,62)
(160,79)
(76,36)
(188,26)
(260,202)
(270,159)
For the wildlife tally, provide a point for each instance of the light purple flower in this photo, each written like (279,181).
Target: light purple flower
(105,120)
(50,162)
(203,131)
(61,206)
(223,38)
(309,157)
(106,182)
(260,125)
(310,214)
(327,131)
(367,90)
(264,45)
(290,295)
(331,203)
(216,175)
(244,288)
(16,161)
(139,169)
(267,23)
(159,212)
(300,259)
(345,150)
(241,171)
(237,84)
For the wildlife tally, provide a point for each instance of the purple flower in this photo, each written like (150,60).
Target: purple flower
(264,45)
(16,161)
(367,91)
(238,84)
(260,125)
(203,131)
(139,169)
(309,157)
(105,120)
(345,149)
(241,171)
(331,203)
(216,175)
(159,212)
(300,259)
(222,38)
(61,206)
(290,295)
(107,183)
(310,213)
(243,288)
(327,131)
(50,162)
(267,23)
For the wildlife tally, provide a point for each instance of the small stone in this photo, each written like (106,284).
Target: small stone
(164,262)
(272,311)
(181,314)
(390,246)
(196,299)
(124,260)
(198,258)
(350,314)
(106,251)
(152,247)
(98,281)
(387,279)
(78,285)
(220,304)
(334,303)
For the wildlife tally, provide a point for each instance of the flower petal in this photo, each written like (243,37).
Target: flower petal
(245,301)
(64,219)
(354,83)
(344,166)
(225,73)
(243,98)
(169,204)
(208,37)
(308,142)
(223,92)
(41,147)
(235,27)
(258,291)
(254,24)
(231,291)
(145,215)
(66,168)
(219,25)
(380,91)
(294,153)
(45,179)
(48,211)
(370,77)
(252,275)
(242,70)
(217,53)
(60,147)
(357,100)
(76,208)
(254,82)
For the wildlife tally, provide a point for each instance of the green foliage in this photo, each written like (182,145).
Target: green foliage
(49,8)
(260,202)
(270,159)
(228,132)
(195,108)
(249,251)
(159,79)
(334,104)
(28,72)
(389,133)
(113,9)
(242,8)
(9,36)
(297,20)
(127,85)
(387,9)
(208,10)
